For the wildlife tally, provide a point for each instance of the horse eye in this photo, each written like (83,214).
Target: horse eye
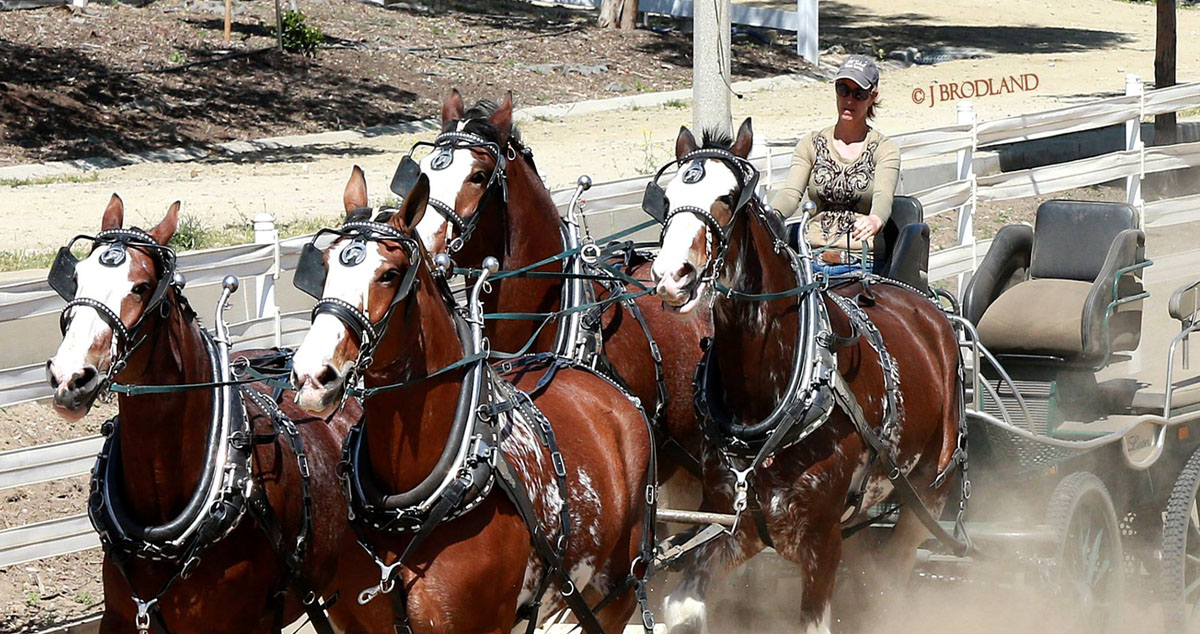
(141,289)
(478,178)
(389,276)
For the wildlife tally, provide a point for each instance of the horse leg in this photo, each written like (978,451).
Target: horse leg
(816,553)
(684,608)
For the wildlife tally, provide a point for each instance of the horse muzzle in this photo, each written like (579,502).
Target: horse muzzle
(74,392)
(679,291)
(319,394)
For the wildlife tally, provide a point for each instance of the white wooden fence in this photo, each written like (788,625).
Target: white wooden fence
(609,208)
(803,21)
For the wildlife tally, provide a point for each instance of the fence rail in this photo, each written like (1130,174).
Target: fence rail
(614,206)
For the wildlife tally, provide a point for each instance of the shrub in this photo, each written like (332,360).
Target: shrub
(298,36)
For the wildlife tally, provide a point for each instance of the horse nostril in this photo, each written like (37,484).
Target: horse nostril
(684,271)
(82,378)
(327,376)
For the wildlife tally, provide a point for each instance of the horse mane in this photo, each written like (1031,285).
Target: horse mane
(715,139)
(478,118)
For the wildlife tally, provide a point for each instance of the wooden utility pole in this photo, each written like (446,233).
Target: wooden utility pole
(619,14)
(711,53)
(1164,68)
(228,20)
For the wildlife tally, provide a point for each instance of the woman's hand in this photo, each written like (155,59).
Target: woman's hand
(866,227)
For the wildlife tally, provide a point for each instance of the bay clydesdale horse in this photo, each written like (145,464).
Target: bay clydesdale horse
(711,239)
(164,569)
(480,570)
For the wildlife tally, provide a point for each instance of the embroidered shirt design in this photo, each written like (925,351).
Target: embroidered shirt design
(841,186)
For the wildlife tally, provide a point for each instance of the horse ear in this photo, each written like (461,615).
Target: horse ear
(685,143)
(114,214)
(452,108)
(502,118)
(413,207)
(745,140)
(355,196)
(165,230)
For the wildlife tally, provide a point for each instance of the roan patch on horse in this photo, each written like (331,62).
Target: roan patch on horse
(817,405)
(472,495)
(216,514)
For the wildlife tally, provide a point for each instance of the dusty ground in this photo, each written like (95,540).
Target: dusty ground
(1080,50)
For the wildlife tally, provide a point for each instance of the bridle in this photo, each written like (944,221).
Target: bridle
(311,272)
(444,146)
(62,278)
(655,203)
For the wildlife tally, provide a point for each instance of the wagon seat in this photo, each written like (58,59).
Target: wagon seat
(1067,290)
(903,252)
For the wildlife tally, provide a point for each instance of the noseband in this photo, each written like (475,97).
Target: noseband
(445,145)
(311,273)
(655,202)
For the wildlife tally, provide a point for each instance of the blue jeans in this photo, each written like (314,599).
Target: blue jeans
(834,269)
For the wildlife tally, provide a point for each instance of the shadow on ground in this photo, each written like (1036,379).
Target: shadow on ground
(860,30)
(306,154)
(84,107)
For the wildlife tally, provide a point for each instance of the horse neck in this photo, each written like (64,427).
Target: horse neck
(533,228)
(163,436)
(755,341)
(406,429)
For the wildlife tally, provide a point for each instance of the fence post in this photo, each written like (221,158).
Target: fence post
(966,172)
(1133,142)
(264,285)
(807,18)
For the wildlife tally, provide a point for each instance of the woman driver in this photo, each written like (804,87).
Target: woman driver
(848,169)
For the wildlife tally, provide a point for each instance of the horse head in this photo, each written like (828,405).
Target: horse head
(110,294)
(466,171)
(697,207)
(369,272)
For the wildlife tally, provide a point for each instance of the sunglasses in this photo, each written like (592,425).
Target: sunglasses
(860,94)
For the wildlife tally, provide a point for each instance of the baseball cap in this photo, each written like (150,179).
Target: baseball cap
(861,70)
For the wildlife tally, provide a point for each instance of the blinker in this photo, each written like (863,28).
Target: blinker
(405,178)
(654,201)
(62,274)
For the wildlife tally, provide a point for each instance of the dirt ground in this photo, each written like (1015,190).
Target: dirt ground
(62,95)
(1081,51)
(37,594)
(79,83)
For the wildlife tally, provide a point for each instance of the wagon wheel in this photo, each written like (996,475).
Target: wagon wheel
(1089,562)
(1181,552)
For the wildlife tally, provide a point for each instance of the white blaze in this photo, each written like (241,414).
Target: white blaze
(444,186)
(106,284)
(719,180)
(350,284)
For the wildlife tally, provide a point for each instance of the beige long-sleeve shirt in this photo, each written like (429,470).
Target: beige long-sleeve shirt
(841,189)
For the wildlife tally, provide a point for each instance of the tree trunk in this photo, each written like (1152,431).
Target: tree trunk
(629,13)
(1164,68)
(618,14)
